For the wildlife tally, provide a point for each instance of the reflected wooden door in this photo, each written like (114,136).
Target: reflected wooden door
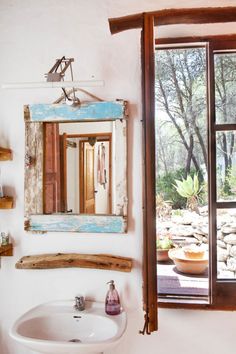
(52,189)
(87,191)
(63,169)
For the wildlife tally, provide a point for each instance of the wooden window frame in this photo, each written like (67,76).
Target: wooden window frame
(147,21)
(220,289)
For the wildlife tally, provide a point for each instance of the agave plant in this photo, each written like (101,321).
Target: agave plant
(190,189)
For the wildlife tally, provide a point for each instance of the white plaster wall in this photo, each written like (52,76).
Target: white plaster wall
(32,34)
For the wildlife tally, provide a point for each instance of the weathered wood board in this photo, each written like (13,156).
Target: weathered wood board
(33,168)
(71,260)
(76,223)
(5,154)
(6,202)
(6,250)
(92,111)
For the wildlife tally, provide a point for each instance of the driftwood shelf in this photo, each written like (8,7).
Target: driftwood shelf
(5,154)
(6,250)
(71,260)
(6,203)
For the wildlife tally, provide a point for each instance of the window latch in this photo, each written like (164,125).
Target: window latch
(145,327)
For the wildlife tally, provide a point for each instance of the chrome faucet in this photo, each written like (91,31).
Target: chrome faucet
(79,303)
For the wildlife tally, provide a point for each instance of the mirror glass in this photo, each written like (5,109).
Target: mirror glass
(78,168)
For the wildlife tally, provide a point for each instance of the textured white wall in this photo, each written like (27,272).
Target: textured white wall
(32,34)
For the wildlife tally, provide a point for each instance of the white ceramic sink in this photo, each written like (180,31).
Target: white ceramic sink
(57,328)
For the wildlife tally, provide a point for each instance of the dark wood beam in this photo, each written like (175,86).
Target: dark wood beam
(149,237)
(175,16)
(192,39)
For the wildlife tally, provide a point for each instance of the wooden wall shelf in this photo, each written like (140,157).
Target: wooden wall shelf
(5,154)
(6,203)
(71,260)
(6,250)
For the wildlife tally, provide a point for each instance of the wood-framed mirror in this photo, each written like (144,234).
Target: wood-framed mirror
(76,167)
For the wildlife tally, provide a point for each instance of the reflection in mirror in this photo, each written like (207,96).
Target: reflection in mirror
(78,168)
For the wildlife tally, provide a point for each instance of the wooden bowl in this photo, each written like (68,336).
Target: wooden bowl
(186,265)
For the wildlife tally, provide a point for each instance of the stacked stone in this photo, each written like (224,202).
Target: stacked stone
(226,251)
(193,228)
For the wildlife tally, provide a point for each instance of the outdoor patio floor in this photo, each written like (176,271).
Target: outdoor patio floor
(172,282)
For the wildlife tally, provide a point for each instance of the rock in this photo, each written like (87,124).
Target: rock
(221,244)
(202,230)
(225,274)
(231,239)
(200,238)
(231,264)
(220,235)
(221,266)
(186,241)
(229,229)
(222,254)
(203,210)
(182,231)
(232,251)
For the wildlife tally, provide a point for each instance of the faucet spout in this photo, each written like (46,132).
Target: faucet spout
(79,303)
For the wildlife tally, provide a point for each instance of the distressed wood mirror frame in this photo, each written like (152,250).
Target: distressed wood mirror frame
(146,22)
(35,116)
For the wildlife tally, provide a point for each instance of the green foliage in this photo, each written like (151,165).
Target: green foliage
(190,189)
(164,244)
(231,179)
(226,188)
(177,212)
(165,187)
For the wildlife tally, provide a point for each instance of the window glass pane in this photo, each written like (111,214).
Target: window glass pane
(181,172)
(226,165)
(225,95)
(226,243)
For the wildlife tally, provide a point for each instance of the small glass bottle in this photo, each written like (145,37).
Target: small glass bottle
(112,302)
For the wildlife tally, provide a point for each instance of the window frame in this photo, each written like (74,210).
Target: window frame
(219,289)
(147,21)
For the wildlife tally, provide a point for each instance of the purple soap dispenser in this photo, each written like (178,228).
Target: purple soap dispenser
(112,303)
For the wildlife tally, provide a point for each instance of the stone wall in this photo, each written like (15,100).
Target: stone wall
(188,227)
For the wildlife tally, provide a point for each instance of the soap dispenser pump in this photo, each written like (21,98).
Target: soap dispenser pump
(112,303)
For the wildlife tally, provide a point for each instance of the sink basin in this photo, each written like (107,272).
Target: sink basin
(56,327)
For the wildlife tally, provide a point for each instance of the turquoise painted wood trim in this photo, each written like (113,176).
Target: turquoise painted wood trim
(77,223)
(94,111)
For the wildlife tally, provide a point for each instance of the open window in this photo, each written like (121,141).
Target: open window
(214,103)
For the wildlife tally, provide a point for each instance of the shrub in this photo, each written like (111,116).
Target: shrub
(165,187)
(190,189)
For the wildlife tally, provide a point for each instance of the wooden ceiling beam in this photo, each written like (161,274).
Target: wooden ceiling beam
(175,16)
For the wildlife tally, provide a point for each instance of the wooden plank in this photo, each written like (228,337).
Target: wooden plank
(175,16)
(5,154)
(6,202)
(76,223)
(6,250)
(93,111)
(120,170)
(33,168)
(71,260)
